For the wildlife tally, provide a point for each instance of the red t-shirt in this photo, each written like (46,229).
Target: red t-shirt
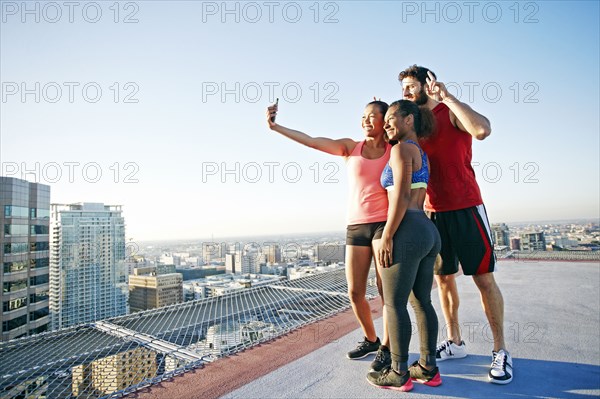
(452,183)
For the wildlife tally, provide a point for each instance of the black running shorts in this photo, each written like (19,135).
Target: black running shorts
(363,234)
(466,239)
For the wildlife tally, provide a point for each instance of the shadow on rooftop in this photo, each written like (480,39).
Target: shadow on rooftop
(462,378)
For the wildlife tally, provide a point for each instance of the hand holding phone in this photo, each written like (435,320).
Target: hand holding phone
(276,104)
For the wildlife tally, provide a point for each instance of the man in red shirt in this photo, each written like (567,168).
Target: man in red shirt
(456,207)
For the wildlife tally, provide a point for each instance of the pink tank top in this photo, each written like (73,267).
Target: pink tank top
(367,200)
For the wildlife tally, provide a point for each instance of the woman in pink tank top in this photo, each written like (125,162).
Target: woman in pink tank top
(367,213)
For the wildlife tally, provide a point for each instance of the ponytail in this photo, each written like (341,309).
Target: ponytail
(424,121)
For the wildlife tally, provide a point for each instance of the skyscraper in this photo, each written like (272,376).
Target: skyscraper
(24,255)
(88,273)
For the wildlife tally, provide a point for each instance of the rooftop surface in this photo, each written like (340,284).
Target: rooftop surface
(552,329)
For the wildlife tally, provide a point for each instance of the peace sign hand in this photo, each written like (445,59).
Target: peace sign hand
(436,90)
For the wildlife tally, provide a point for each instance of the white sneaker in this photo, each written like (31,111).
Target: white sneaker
(449,350)
(501,371)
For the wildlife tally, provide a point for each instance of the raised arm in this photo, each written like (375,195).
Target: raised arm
(341,147)
(467,120)
(461,115)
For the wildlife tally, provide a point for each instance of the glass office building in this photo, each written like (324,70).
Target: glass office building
(24,255)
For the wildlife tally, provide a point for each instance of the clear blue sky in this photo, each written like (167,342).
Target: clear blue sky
(533,68)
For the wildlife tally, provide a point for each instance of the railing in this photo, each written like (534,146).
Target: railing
(585,256)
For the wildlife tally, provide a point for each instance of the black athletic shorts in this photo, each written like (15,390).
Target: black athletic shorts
(466,238)
(363,234)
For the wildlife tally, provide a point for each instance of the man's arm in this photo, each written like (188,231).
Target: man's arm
(461,115)
(466,119)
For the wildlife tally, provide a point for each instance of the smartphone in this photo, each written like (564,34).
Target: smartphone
(276,103)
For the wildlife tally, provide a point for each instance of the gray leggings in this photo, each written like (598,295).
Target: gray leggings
(416,245)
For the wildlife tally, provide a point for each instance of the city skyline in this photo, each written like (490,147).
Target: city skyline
(114,333)
(160,107)
(341,233)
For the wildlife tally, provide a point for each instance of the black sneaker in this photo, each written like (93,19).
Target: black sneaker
(383,359)
(421,374)
(390,379)
(363,349)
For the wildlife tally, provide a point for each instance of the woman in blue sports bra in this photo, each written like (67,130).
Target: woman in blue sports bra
(407,250)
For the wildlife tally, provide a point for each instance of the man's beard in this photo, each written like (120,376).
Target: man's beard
(421,98)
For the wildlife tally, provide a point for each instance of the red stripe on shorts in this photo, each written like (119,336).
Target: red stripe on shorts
(485,262)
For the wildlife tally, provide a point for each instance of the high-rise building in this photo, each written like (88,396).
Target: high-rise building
(533,241)
(250,263)
(24,256)
(232,263)
(88,272)
(500,234)
(272,253)
(155,291)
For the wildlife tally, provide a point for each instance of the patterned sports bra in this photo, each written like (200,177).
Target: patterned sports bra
(420,177)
